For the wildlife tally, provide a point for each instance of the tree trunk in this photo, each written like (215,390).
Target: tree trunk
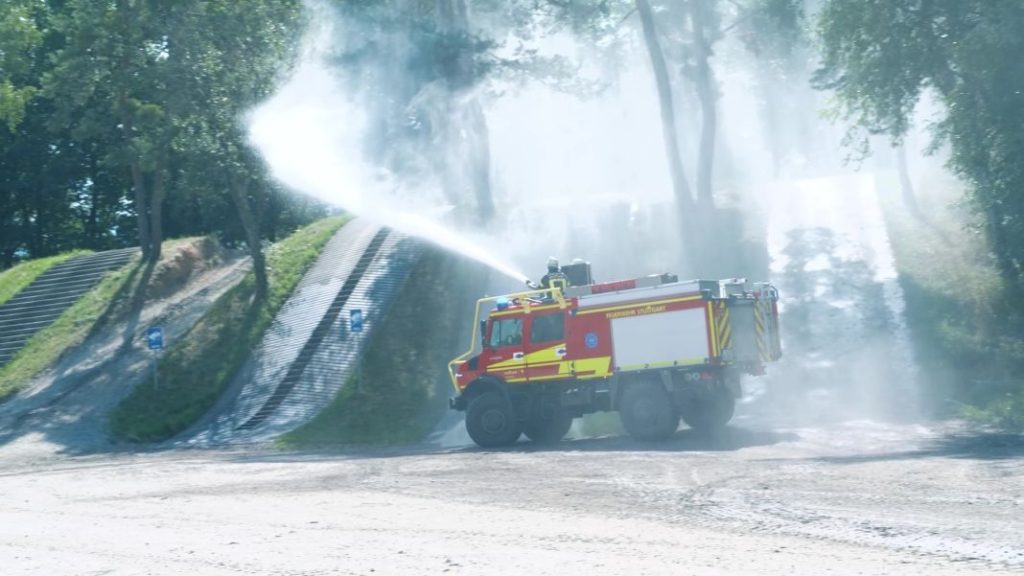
(39,222)
(467,135)
(273,215)
(240,195)
(156,212)
(704,79)
(906,188)
(684,201)
(142,210)
(1008,267)
(479,147)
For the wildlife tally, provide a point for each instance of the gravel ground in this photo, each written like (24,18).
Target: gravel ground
(854,498)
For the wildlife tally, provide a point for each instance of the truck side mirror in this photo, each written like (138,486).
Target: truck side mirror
(483,333)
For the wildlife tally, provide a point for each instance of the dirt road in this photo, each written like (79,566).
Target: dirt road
(857,498)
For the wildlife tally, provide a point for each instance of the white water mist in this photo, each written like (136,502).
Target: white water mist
(310,133)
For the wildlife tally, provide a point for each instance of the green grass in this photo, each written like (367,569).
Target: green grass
(967,330)
(395,395)
(69,330)
(197,369)
(18,277)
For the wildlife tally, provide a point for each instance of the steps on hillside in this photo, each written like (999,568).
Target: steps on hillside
(53,292)
(311,345)
(308,353)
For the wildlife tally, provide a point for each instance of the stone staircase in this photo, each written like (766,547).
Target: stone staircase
(53,292)
(308,353)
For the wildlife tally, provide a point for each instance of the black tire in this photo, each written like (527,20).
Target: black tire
(491,421)
(549,430)
(647,411)
(709,411)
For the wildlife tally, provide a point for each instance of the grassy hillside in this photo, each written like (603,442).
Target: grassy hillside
(197,369)
(395,396)
(968,330)
(69,330)
(13,280)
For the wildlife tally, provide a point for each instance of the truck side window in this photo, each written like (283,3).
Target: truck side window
(547,328)
(507,332)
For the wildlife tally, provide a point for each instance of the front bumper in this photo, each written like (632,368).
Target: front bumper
(457,403)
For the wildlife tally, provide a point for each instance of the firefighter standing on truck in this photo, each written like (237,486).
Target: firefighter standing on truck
(554,278)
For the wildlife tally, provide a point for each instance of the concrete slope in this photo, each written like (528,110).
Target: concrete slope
(43,301)
(309,352)
(65,409)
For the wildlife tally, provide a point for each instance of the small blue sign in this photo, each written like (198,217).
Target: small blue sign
(355,320)
(590,340)
(155,338)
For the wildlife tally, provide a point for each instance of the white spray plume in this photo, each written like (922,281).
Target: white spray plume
(568,174)
(310,133)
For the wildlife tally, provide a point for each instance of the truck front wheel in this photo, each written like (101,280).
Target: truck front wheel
(647,411)
(491,421)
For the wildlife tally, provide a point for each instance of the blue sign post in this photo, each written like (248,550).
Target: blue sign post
(355,321)
(155,341)
(155,338)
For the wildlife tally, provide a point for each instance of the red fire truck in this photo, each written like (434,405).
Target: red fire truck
(654,349)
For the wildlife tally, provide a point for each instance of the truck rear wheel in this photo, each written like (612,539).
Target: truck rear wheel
(647,412)
(491,421)
(710,410)
(548,430)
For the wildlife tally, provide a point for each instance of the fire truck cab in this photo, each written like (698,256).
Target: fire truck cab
(655,349)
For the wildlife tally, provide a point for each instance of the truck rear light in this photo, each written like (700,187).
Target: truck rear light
(706,376)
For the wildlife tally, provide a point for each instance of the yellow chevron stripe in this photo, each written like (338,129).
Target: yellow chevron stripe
(724,327)
(714,331)
(762,346)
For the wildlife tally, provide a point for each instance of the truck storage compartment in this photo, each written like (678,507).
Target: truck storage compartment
(677,338)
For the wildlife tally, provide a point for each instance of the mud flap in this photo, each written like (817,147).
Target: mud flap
(732,384)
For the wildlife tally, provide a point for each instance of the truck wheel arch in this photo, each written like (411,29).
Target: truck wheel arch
(482,385)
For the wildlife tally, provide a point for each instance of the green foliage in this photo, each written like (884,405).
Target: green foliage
(95,93)
(966,327)
(68,331)
(15,279)
(196,369)
(879,57)
(393,397)
(19,38)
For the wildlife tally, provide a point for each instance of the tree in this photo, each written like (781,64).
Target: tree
(115,74)
(19,38)
(239,51)
(681,189)
(880,56)
(420,67)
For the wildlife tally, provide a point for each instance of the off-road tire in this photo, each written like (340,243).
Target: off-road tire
(647,411)
(491,421)
(548,430)
(709,411)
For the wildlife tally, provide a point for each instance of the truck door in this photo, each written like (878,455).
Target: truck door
(504,354)
(545,347)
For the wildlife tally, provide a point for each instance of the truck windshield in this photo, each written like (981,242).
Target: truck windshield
(507,332)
